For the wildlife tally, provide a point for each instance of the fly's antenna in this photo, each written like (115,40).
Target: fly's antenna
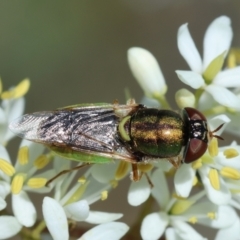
(212,135)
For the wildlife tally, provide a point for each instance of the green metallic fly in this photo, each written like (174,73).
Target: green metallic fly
(101,133)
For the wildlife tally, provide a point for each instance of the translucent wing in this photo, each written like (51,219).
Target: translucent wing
(90,129)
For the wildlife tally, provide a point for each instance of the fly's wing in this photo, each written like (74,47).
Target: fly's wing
(90,129)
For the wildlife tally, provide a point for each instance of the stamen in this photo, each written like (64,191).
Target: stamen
(7,167)
(122,170)
(195,181)
(145,167)
(230,153)
(181,206)
(213,147)
(23,155)
(41,161)
(211,215)
(193,220)
(37,182)
(17,183)
(104,195)
(82,180)
(214,179)
(114,183)
(197,164)
(230,172)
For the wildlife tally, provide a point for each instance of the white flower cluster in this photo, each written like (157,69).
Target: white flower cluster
(217,173)
(206,191)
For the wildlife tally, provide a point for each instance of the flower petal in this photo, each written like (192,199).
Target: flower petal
(104,173)
(186,232)
(138,192)
(183,180)
(112,230)
(221,196)
(188,49)
(96,217)
(231,232)
(77,211)
(9,226)
(215,122)
(55,218)
(3,203)
(224,96)
(225,217)
(229,78)
(147,72)
(217,39)
(190,78)
(160,190)
(24,209)
(154,225)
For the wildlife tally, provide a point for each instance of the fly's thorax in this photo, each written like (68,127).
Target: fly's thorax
(153,132)
(198,134)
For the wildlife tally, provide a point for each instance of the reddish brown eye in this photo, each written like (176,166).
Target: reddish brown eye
(195,149)
(196,134)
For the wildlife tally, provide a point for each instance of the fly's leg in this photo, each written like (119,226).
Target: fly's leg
(136,175)
(66,171)
(176,162)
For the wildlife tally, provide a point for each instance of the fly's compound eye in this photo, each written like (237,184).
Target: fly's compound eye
(196,134)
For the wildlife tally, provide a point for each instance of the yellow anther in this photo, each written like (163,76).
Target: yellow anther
(230,172)
(145,167)
(17,183)
(193,220)
(213,147)
(82,180)
(41,162)
(230,153)
(122,170)
(214,179)
(181,206)
(195,181)
(36,182)
(23,155)
(19,91)
(211,215)
(114,183)
(7,167)
(197,164)
(207,159)
(104,195)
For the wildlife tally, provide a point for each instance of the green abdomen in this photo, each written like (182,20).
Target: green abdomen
(157,133)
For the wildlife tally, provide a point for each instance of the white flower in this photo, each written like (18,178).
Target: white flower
(176,212)
(206,73)
(147,72)
(9,226)
(20,179)
(74,203)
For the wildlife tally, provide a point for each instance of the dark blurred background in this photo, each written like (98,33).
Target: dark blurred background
(75,51)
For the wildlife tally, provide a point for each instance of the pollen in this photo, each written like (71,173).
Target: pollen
(211,215)
(36,182)
(231,173)
(214,179)
(122,170)
(197,164)
(230,153)
(23,155)
(181,206)
(82,180)
(41,162)
(17,183)
(213,147)
(20,90)
(192,220)
(104,195)
(7,167)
